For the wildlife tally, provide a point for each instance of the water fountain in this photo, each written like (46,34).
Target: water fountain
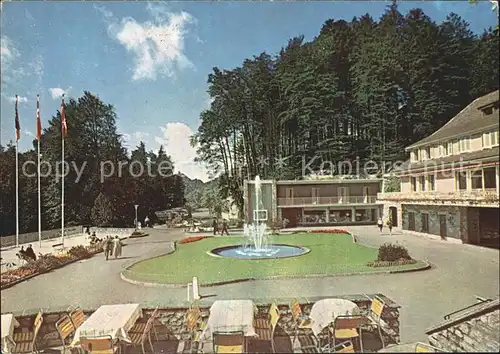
(257,244)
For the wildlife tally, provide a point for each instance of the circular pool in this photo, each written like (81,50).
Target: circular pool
(269,252)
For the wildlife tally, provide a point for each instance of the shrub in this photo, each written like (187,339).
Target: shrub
(79,252)
(47,262)
(390,253)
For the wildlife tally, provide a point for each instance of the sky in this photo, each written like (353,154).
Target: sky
(150,60)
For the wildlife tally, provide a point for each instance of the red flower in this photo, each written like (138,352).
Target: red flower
(192,239)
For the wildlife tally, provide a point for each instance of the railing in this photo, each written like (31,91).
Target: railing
(478,195)
(358,199)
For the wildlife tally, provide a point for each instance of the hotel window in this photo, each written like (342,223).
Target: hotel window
(449,148)
(441,150)
(464,144)
(425,222)
(411,221)
(413,182)
(413,156)
(494,138)
(428,153)
(486,142)
(477,180)
(431,182)
(461,180)
(422,183)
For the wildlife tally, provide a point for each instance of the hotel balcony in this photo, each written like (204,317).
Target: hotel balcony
(475,197)
(325,201)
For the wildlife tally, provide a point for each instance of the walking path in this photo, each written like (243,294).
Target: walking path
(459,273)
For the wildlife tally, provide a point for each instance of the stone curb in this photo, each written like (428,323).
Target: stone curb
(279,277)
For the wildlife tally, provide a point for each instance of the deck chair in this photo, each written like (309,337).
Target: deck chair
(99,345)
(427,348)
(65,328)
(77,317)
(375,315)
(229,342)
(266,322)
(26,341)
(346,327)
(195,328)
(139,326)
(267,334)
(139,339)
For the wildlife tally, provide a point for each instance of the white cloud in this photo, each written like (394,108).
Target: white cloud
(176,141)
(22,99)
(28,133)
(157,46)
(57,92)
(8,55)
(133,139)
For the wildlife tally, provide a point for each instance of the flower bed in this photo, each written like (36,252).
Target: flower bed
(330,231)
(192,239)
(45,263)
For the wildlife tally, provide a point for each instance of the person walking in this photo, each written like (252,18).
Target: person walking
(389,225)
(224,228)
(117,247)
(380,225)
(107,247)
(215,226)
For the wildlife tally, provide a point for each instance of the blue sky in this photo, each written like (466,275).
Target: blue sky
(158,86)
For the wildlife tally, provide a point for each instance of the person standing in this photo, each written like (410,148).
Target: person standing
(215,226)
(224,228)
(117,247)
(146,222)
(380,225)
(389,225)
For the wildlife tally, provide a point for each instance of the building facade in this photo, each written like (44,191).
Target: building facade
(450,185)
(315,202)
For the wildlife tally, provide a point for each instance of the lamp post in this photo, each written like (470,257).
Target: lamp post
(136,206)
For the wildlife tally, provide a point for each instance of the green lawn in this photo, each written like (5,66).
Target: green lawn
(330,254)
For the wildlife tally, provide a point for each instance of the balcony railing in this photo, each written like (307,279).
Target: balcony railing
(475,195)
(327,200)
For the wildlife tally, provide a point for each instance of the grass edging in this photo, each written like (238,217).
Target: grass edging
(425,266)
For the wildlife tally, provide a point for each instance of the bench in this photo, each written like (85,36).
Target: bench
(58,246)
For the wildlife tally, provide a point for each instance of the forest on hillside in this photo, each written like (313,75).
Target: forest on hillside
(92,138)
(362,89)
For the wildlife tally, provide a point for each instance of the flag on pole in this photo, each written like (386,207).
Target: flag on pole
(64,129)
(18,126)
(38,121)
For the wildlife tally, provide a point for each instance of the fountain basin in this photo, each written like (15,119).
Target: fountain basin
(272,251)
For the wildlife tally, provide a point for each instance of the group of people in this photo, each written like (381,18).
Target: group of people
(215,226)
(27,254)
(112,247)
(380,225)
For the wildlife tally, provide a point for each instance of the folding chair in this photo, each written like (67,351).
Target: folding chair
(77,317)
(301,322)
(193,317)
(344,347)
(229,342)
(348,327)
(267,334)
(99,345)
(65,329)
(26,341)
(265,322)
(375,315)
(139,339)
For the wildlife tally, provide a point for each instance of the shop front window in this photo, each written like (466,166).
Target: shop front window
(364,215)
(314,217)
(340,216)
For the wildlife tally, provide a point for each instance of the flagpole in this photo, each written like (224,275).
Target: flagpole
(17,193)
(17,172)
(62,189)
(38,170)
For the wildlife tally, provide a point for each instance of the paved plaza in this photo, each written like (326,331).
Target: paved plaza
(459,273)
